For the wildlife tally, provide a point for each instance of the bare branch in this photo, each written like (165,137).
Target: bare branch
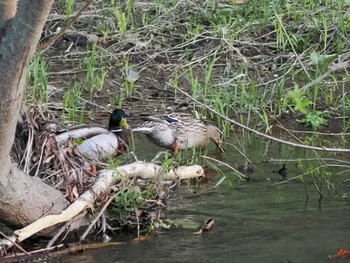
(334,67)
(326,149)
(71,23)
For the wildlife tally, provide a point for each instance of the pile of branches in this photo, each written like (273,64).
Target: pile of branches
(64,168)
(38,154)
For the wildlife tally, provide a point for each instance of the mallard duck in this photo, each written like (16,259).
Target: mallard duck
(98,143)
(180,131)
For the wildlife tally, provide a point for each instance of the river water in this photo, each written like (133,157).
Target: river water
(256,221)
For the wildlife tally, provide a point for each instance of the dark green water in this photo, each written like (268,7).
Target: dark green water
(255,221)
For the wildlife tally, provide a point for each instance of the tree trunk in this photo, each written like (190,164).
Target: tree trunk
(23,199)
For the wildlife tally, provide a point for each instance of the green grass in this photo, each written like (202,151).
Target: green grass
(129,81)
(127,203)
(37,81)
(69,7)
(72,105)
(240,59)
(246,61)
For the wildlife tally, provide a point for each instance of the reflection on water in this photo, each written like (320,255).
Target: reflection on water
(255,221)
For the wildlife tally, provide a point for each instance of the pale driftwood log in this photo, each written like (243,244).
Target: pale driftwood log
(105,179)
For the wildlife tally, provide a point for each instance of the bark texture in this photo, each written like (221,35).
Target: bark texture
(23,199)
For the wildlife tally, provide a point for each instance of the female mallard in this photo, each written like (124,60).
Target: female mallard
(97,142)
(180,131)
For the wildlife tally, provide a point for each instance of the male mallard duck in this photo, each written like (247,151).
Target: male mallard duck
(180,131)
(97,142)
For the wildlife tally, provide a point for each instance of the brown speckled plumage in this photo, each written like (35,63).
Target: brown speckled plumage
(183,130)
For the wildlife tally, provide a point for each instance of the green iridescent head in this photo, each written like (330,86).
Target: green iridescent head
(117,120)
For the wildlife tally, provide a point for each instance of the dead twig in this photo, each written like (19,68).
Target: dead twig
(227,165)
(269,137)
(334,67)
(64,228)
(14,243)
(291,44)
(103,209)
(47,44)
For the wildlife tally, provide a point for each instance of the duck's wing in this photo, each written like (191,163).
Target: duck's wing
(81,133)
(149,127)
(158,132)
(170,118)
(153,119)
(151,124)
(76,127)
(181,117)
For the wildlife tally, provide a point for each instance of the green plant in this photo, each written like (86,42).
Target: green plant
(36,80)
(281,40)
(90,70)
(195,29)
(129,200)
(265,118)
(73,107)
(315,119)
(69,8)
(95,78)
(169,162)
(104,30)
(117,100)
(121,19)
(129,79)
(99,80)
(300,102)
(124,203)
(124,18)
(160,6)
(282,100)
(195,85)
(209,74)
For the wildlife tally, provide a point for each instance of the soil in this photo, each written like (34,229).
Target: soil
(152,93)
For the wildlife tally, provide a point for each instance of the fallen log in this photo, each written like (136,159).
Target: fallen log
(104,181)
